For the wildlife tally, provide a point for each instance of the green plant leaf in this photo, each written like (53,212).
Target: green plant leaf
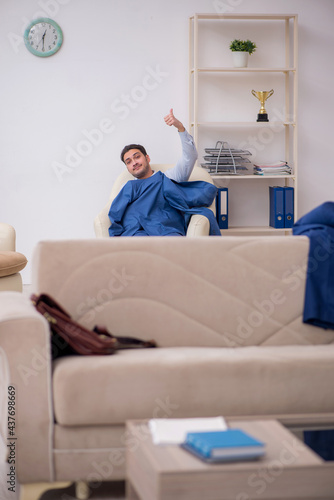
(238,45)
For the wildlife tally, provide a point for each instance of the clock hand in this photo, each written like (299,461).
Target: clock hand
(41,40)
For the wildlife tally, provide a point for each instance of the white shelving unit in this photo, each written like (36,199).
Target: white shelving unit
(275,67)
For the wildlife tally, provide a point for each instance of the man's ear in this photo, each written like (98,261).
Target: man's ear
(148,158)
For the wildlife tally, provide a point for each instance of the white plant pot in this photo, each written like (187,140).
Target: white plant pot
(240,59)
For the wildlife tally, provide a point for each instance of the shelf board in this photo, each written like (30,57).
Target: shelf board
(266,17)
(255,229)
(241,124)
(250,176)
(242,70)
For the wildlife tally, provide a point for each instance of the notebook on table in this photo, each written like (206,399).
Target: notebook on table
(223,446)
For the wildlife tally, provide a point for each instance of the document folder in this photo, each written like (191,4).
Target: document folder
(222,208)
(288,206)
(276,206)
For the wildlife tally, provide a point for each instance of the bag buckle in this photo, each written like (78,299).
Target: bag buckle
(50,319)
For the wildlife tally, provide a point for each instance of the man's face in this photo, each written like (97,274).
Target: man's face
(138,164)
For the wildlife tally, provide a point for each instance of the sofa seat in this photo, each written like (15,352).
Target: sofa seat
(237,382)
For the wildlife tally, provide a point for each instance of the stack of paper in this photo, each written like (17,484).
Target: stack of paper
(279,168)
(175,430)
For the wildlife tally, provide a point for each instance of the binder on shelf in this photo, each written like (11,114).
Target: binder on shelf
(276,206)
(288,206)
(222,208)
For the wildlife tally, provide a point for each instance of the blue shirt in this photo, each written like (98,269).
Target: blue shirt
(158,206)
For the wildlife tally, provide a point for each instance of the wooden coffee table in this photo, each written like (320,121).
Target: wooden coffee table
(289,470)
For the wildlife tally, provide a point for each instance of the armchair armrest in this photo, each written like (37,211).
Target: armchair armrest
(26,350)
(199,225)
(7,237)
(102,223)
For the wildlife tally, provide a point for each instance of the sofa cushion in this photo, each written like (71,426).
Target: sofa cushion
(193,382)
(11,263)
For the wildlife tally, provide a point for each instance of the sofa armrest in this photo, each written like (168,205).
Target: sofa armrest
(26,350)
(199,225)
(7,237)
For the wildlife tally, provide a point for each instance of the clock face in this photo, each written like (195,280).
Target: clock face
(43,37)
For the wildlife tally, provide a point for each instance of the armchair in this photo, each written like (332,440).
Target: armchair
(11,262)
(198,225)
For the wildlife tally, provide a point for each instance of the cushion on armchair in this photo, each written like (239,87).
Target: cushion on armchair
(11,263)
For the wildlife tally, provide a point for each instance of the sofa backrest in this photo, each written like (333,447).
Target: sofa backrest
(228,291)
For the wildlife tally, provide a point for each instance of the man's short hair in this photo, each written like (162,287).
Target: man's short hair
(132,146)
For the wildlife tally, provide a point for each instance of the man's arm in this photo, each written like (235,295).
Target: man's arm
(182,170)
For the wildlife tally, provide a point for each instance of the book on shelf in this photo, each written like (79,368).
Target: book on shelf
(224,446)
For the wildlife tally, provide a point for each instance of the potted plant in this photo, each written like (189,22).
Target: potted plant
(240,50)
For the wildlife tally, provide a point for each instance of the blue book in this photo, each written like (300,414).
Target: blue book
(229,445)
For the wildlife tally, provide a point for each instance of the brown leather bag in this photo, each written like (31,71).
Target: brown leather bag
(69,337)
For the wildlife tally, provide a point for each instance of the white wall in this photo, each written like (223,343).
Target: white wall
(122,66)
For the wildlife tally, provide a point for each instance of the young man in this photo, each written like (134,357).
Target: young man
(137,160)
(156,203)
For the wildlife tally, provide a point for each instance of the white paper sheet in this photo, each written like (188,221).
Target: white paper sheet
(174,430)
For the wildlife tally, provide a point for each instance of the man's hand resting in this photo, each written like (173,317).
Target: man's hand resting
(171,120)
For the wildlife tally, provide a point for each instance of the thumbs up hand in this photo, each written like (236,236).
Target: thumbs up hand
(171,120)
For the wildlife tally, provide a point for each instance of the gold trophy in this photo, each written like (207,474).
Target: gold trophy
(262,96)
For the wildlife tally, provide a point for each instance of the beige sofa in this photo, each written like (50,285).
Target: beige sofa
(226,314)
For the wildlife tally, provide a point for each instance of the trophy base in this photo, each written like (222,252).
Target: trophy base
(262,117)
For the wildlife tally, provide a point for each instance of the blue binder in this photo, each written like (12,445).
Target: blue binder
(288,206)
(222,208)
(276,206)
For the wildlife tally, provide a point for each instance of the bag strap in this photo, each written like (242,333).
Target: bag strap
(125,342)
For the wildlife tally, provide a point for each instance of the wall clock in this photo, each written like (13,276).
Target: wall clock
(43,37)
